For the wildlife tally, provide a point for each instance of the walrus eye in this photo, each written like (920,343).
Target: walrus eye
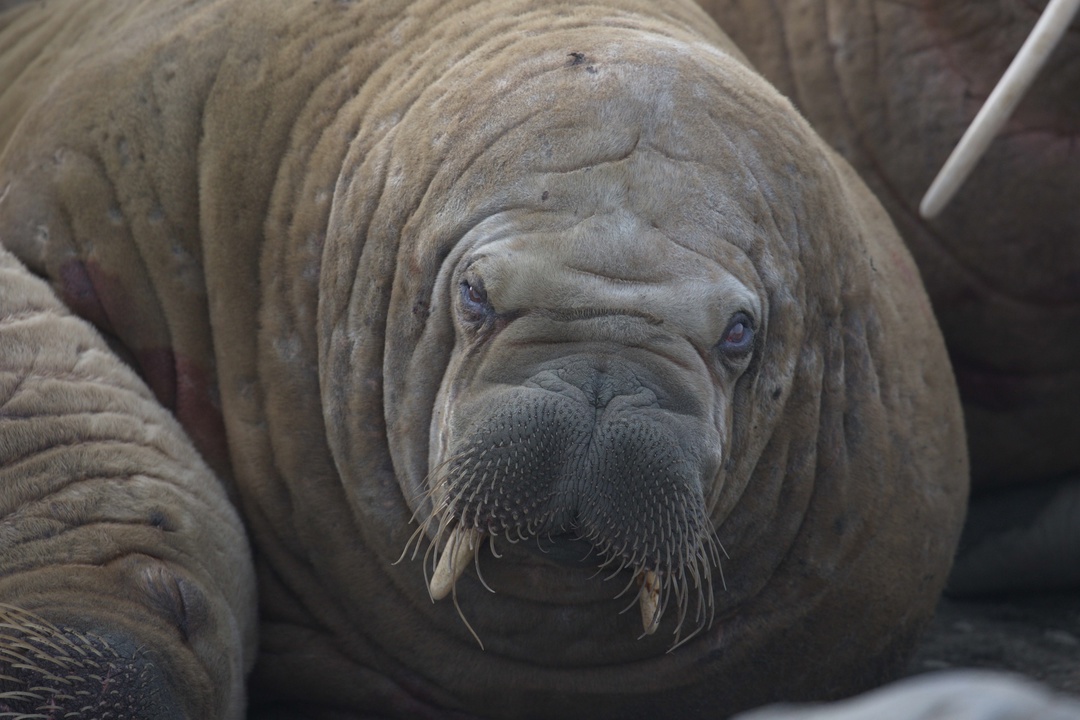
(738,339)
(474,300)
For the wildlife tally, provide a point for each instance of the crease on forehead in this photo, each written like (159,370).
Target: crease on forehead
(611,262)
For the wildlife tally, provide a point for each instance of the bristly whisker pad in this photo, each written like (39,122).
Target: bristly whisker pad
(635,503)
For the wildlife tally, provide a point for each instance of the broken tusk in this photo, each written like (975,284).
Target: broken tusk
(1000,105)
(649,598)
(455,557)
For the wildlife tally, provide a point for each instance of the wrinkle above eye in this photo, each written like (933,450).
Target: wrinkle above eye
(621,280)
(583,313)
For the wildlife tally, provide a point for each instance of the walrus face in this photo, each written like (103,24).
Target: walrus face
(588,402)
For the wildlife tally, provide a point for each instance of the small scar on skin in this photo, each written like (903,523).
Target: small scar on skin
(577,58)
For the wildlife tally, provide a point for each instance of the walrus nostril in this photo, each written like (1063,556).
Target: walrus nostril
(602,386)
(595,382)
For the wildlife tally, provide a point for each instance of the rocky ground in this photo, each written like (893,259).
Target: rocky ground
(1037,636)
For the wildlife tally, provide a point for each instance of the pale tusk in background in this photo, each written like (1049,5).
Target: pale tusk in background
(1000,105)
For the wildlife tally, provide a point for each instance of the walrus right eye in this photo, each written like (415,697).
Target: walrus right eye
(738,339)
(474,300)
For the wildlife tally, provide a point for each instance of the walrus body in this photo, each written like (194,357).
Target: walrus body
(522,290)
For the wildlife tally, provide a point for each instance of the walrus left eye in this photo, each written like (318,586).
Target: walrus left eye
(474,300)
(738,339)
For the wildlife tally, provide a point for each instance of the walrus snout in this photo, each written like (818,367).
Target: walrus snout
(586,452)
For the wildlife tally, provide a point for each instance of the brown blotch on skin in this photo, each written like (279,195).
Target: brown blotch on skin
(78,291)
(188,390)
(198,408)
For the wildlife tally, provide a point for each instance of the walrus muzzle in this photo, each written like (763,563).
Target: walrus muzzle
(584,450)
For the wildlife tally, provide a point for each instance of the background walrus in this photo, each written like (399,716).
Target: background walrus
(893,86)
(356,246)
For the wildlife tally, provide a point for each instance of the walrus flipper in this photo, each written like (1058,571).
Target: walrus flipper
(130,570)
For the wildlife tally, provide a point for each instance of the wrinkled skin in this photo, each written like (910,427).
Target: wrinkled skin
(348,244)
(893,86)
(113,530)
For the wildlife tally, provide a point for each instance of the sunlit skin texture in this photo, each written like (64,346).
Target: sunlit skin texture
(374,234)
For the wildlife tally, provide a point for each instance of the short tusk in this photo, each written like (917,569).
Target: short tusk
(649,599)
(1000,105)
(460,547)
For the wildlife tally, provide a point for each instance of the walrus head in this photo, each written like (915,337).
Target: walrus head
(597,312)
(586,309)
(587,405)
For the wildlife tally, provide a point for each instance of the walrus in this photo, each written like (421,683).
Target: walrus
(549,361)
(893,87)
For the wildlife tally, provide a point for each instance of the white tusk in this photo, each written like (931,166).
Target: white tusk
(455,557)
(1000,105)
(649,599)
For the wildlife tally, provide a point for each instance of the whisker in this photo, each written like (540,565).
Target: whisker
(461,614)
(491,545)
(476,566)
